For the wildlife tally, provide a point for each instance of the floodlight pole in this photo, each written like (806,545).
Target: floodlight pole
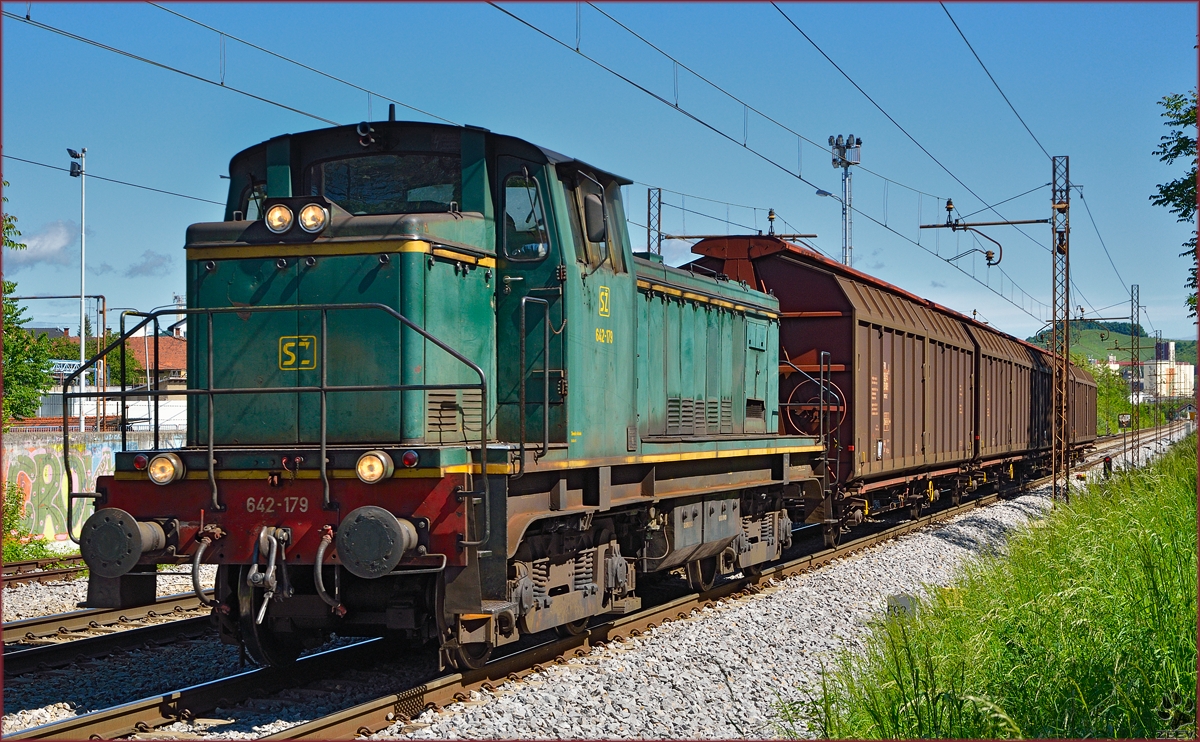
(81,173)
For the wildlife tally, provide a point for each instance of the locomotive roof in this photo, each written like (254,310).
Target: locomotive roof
(552,157)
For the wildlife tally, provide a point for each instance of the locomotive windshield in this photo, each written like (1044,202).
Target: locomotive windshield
(389,183)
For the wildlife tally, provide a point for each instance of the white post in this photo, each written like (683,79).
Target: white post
(82,280)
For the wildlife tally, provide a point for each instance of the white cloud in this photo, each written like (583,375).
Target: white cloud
(50,245)
(101,269)
(937,285)
(151,264)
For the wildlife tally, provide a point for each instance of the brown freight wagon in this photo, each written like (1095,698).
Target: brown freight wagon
(929,400)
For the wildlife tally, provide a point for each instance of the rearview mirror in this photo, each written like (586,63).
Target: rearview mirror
(595,218)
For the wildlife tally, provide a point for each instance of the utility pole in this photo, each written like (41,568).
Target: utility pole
(654,220)
(1159,357)
(1060,333)
(1135,372)
(846,152)
(79,170)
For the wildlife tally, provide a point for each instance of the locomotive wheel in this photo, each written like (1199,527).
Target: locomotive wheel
(471,656)
(702,573)
(265,647)
(753,570)
(574,628)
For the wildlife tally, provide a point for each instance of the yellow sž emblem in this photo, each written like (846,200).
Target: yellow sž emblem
(297,352)
(603,301)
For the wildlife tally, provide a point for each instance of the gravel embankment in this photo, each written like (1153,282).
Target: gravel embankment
(34,599)
(721,673)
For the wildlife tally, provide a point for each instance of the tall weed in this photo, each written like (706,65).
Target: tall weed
(1086,628)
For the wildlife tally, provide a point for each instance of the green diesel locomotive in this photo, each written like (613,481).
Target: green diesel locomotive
(434,395)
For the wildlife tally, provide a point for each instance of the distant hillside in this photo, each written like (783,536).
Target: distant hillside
(1088,342)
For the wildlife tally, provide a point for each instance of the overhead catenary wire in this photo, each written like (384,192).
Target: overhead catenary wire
(285,58)
(989,74)
(903,130)
(221,84)
(1001,203)
(163,66)
(118,182)
(1095,227)
(783,168)
(746,106)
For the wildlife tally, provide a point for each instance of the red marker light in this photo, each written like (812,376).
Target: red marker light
(410,459)
(140,462)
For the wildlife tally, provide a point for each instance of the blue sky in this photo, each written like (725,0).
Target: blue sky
(1085,77)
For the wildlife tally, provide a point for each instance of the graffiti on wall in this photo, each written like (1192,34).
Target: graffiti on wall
(34,463)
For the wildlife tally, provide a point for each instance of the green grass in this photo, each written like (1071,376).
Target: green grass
(1086,629)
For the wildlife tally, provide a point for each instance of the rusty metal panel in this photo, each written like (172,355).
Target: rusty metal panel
(1083,406)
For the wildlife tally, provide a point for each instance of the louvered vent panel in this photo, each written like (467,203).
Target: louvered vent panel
(442,409)
(674,409)
(726,415)
(687,416)
(472,411)
(713,412)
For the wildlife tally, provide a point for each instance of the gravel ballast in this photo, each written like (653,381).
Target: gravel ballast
(36,599)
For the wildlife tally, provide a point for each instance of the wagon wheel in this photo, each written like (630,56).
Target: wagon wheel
(753,570)
(702,573)
(572,628)
(833,534)
(806,418)
(266,647)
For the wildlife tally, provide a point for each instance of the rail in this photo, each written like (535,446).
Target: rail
(210,392)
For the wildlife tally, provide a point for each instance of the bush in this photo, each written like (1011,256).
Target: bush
(1087,628)
(20,545)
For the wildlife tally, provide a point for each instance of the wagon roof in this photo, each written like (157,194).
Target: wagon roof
(751,247)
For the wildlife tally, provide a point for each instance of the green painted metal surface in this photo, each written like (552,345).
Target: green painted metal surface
(642,358)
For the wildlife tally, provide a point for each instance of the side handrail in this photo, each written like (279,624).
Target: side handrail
(525,301)
(323,388)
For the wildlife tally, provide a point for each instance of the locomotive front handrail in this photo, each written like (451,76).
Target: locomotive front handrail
(210,392)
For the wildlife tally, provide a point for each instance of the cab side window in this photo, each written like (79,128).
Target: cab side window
(525,235)
(610,250)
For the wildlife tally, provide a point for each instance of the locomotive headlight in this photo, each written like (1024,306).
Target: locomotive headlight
(165,468)
(374,466)
(279,218)
(313,218)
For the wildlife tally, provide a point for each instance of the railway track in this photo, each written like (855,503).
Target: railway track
(54,641)
(42,570)
(189,704)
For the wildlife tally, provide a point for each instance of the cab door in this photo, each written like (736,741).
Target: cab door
(529,268)
(604,330)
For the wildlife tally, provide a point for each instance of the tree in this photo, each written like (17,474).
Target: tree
(1179,195)
(68,348)
(26,358)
